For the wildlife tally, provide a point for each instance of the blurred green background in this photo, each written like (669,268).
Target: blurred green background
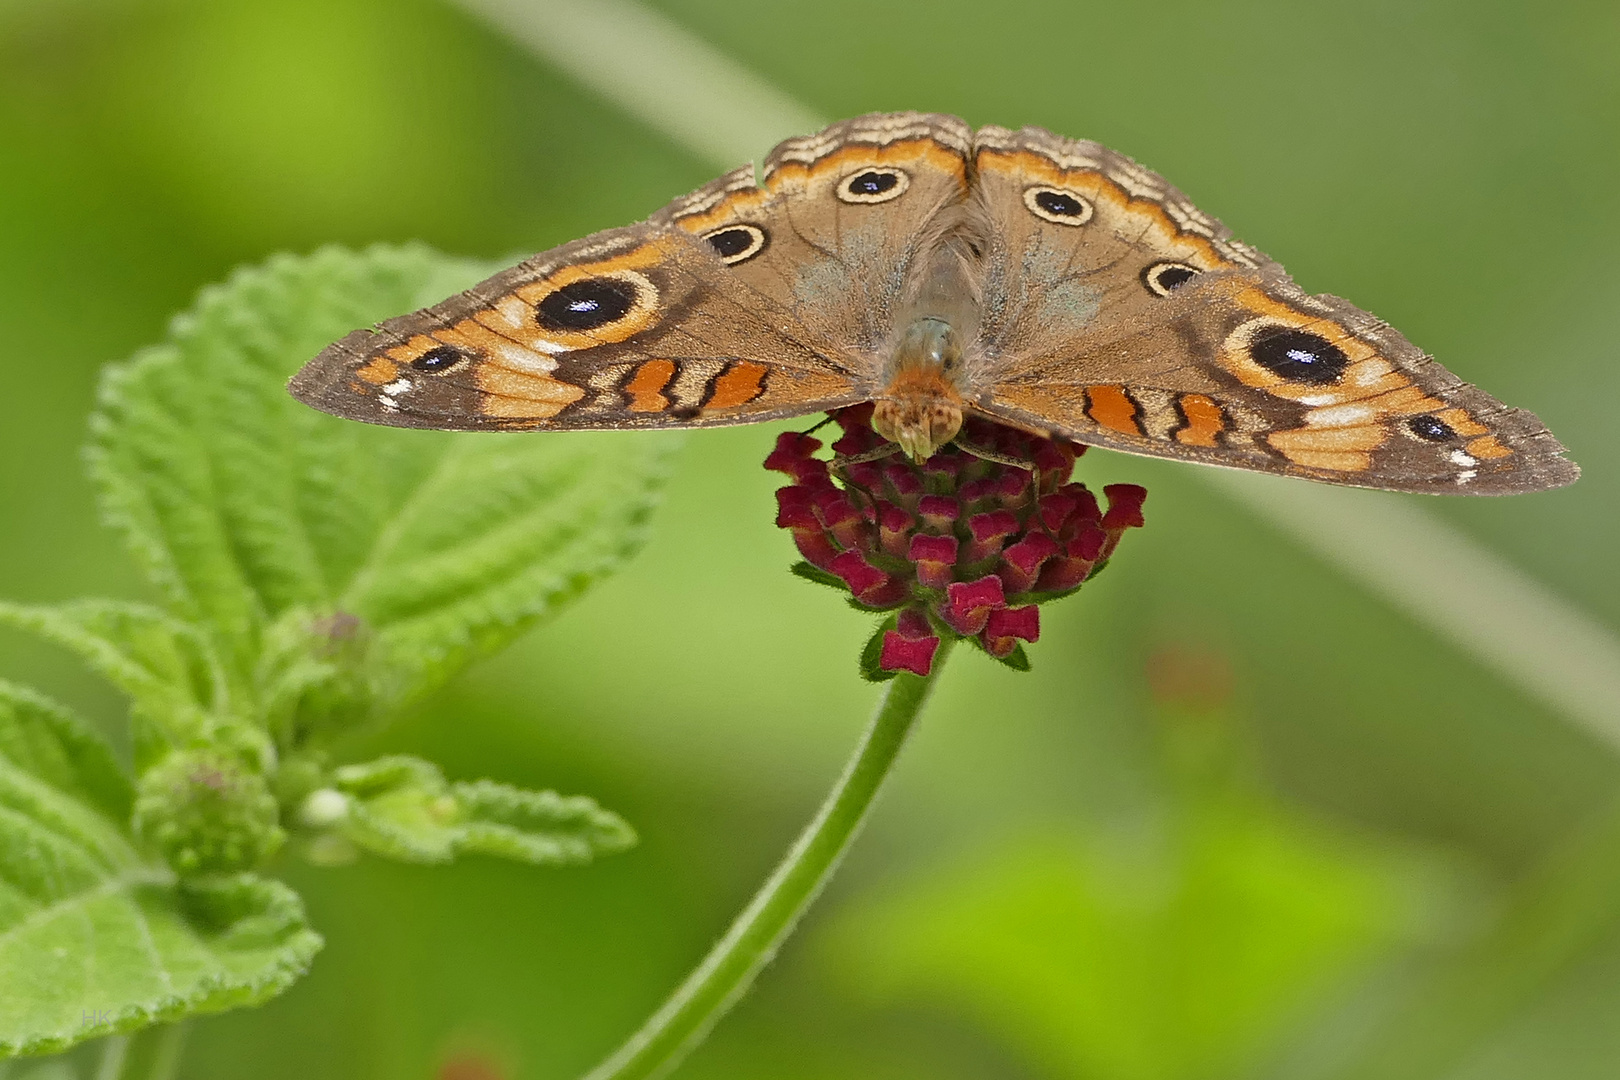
(1242,820)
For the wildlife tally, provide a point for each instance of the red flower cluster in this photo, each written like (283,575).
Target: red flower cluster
(959,544)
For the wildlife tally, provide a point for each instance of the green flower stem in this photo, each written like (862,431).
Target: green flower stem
(727,972)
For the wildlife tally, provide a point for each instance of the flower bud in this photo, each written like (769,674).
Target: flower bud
(1007,626)
(934,557)
(901,653)
(968,604)
(206,812)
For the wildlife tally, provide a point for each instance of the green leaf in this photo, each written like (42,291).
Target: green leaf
(403,807)
(508,528)
(244,505)
(540,827)
(169,669)
(40,737)
(313,675)
(399,807)
(94,939)
(812,572)
(1018,659)
(872,652)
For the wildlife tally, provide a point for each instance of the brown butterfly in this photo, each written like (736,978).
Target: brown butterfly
(905,259)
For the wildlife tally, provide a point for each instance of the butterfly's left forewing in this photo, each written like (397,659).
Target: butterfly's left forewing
(740,302)
(842,224)
(634,327)
(1119,315)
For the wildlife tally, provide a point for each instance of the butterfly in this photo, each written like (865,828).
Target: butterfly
(939,272)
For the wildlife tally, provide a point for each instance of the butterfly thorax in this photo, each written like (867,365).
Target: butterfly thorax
(920,405)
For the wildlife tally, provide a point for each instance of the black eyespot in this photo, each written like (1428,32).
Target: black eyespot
(1298,355)
(873,185)
(586,305)
(729,242)
(1431,428)
(1161,278)
(437,359)
(737,243)
(1058,205)
(1056,202)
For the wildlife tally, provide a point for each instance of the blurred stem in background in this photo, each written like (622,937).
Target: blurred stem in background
(725,975)
(150,1054)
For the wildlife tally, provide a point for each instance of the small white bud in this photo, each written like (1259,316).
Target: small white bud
(324,808)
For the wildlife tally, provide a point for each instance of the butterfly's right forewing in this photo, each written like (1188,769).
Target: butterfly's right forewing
(1118,314)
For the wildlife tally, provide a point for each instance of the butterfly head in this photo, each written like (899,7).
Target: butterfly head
(920,407)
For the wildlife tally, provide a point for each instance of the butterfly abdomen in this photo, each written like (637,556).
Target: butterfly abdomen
(920,405)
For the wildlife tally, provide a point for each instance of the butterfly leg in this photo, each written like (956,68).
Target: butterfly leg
(840,468)
(841,462)
(1026,465)
(987,454)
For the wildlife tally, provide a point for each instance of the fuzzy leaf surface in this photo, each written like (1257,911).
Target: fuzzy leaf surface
(244,505)
(45,740)
(94,938)
(169,669)
(404,808)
